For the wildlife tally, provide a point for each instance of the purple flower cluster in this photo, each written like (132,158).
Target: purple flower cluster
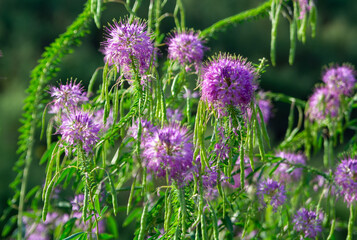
(323,104)
(187,48)
(78,128)
(168,151)
(283,169)
(346,178)
(228,81)
(340,79)
(307,223)
(127,42)
(174,115)
(325,101)
(67,97)
(271,191)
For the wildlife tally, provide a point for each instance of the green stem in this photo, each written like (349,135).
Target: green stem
(350,224)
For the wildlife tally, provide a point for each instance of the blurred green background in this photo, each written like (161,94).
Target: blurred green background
(26,27)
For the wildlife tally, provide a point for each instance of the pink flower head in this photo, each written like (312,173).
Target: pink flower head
(187,48)
(271,191)
(127,42)
(228,81)
(169,151)
(79,128)
(340,79)
(323,104)
(67,96)
(346,178)
(307,223)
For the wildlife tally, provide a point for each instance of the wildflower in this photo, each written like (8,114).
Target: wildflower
(271,191)
(126,42)
(284,169)
(323,104)
(307,223)
(67,96)
(78,127)
(174,115)
(187,48)
(340,79)
(228,81)
(346,178)
(170,151)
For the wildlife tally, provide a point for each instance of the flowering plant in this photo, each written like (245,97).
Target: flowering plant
(184,135)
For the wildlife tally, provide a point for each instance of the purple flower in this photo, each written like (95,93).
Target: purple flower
(126,42)
(187,48)
(78,127)
(272,192)
(265,106)
(169,151)
(346,178)
(284,169)
(340,79)
(228,81)
(67,96)
(174,115)
(323,104)
(307,223)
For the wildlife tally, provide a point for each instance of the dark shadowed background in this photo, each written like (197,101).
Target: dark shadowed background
(27,27)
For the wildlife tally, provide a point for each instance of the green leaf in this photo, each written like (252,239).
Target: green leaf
(76,236)
(134,215)
(112,227)
(67,228)
(96,204)
(105,236)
